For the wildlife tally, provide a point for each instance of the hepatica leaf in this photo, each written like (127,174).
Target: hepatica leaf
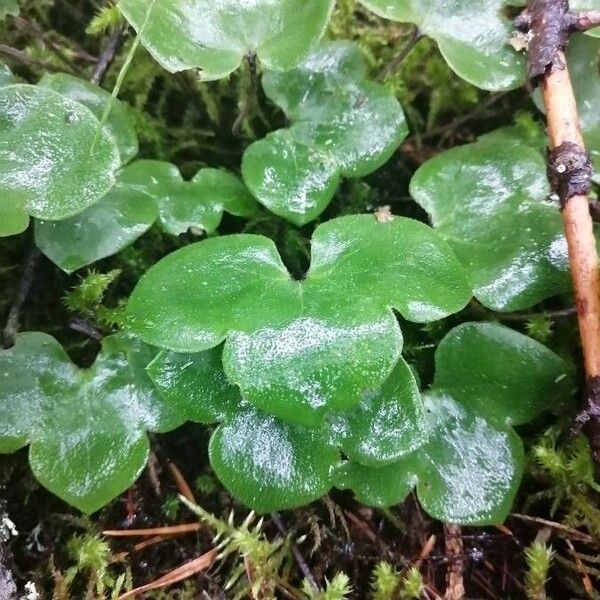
(489,200)
(472,36)
(48,168)
(145,191)
(86,428)
(488,378)
(344,126)
(388,423)
(270,464)
(118,123)
(300,349)
(102,230)
(215,35)
(195,384)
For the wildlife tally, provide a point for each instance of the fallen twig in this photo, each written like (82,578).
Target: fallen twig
(550,23)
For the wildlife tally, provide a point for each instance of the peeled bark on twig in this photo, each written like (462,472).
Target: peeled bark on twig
(570,173)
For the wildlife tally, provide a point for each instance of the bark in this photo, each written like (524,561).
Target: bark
(570,174)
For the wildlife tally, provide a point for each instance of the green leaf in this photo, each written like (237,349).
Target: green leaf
(215,35)
(388,423)
(183,207)
(227,190)
(344,127)
(509,357)
(102,230)
(144,189)
(489,200)
(122,216)
(472,35)
(281,465)
(487,379)
(86,428)
(310,91)
(118,123)
(8,7)
(294,180)
(48,168)
(195,385)
(269,464)
(301,349)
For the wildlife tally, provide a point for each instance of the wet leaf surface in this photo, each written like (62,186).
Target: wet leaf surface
(490,201)
(301,349)
(145,191)
(118,123)
(48,168)
(344,126)
(488,378)
(472,35)
(86,428)
(269,464)
(215,35)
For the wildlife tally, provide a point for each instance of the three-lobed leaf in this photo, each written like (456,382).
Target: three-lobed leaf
(343,126)
(215,35)
(146,191)
(86,428)
(472,35)
(490,201)
(55,161)
(487,379)
(300,349)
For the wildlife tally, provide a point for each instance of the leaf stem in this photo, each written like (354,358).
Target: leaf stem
(395,62)
(12,322)
(108,55)
(250,96)
(121,76)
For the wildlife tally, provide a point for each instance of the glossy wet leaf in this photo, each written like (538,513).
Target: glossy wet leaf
(47,166)
(195,385)
(299,349)
(388,423)
(344,126)
(487,378)
(489,200)
(145,190)
(227,190)
(472,35)
(107,227)
(118,123)
(311,90)
(86,428)
(215,35)
(269,464)
(102,230)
